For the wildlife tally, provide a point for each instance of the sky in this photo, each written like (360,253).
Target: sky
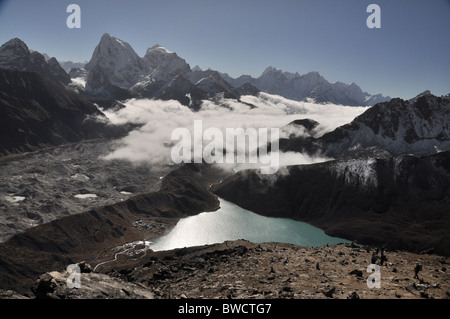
(409,54)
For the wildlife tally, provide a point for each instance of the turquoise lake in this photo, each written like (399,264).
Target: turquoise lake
(232,222)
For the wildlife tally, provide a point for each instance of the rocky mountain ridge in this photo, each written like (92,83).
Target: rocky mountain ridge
(418,126)
(16,56)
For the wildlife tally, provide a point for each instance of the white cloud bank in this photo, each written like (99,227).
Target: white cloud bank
(152,143)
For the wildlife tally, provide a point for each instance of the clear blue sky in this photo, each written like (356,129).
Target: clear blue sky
(410,53)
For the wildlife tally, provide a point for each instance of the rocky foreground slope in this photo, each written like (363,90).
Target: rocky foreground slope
(244,270)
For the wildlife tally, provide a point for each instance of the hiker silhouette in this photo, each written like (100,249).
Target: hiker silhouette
(417,269)
(383,257)
(374,257)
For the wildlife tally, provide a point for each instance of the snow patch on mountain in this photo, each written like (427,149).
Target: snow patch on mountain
(162,64)
(356,172)
(81,81)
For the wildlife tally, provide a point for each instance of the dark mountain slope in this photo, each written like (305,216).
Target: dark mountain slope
(35,112)
(16,56)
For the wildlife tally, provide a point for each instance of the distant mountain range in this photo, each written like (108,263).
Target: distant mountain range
(308,86)
(116,71)
(66,65)
(115,66)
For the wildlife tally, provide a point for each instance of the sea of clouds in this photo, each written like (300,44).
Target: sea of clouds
(152,143)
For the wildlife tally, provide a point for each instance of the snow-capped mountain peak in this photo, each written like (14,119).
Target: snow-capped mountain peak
(14,55)
(163,64)
(270,69)
(114,62)
(18,43)
(424,93)
(113,52)
(159,47)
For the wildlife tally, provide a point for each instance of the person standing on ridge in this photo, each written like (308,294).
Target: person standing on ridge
(383,257)
(417,269)
(374,257)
